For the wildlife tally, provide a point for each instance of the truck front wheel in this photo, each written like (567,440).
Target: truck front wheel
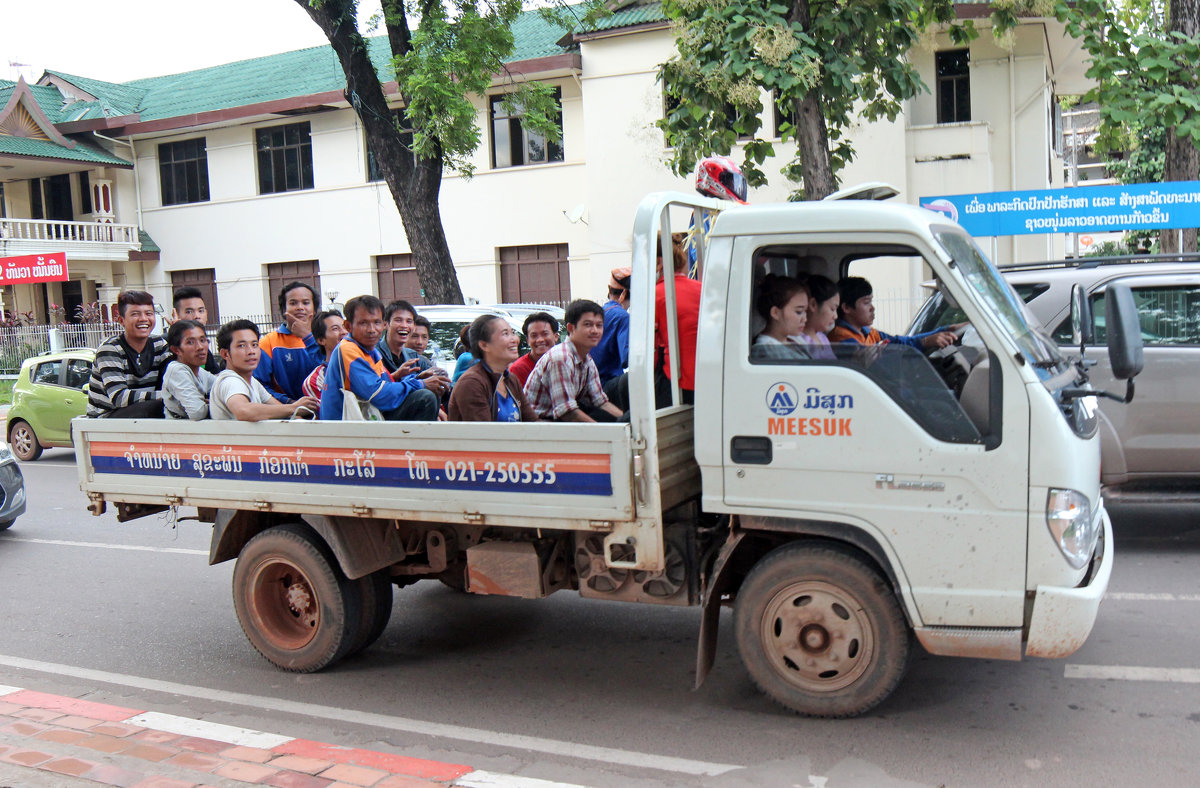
(820,632)
(293,602)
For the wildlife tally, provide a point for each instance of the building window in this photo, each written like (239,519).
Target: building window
(204,280)
(396,278)
(279,274)
(36,211)
(85,192)
(3,208)
(183,171)
(953,85)
(284,158)
(512,145)
(538,274)
(406,140)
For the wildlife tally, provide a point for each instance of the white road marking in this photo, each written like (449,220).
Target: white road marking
(1128,673)
(7,690)
(1134,597)
(556,747)
(480,779)
(106,546)
(185,726)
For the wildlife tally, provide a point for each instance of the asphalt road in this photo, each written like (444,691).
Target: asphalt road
(597,693)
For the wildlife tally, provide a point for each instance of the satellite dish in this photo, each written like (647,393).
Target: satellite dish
(575,215)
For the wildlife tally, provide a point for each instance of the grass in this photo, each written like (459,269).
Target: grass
(6,389)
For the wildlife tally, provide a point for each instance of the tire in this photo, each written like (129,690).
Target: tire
(292,600)
(5,524)
(820,632)
(23,441)
(376,591)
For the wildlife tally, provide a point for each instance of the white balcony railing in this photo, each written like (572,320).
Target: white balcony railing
(90,239)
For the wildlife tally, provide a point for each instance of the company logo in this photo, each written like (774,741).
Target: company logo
(782,398)
(944,207)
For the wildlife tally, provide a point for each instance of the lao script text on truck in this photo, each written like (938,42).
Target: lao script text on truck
(841,507)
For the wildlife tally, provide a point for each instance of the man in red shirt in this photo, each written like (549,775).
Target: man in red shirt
(541,332)
(687,310)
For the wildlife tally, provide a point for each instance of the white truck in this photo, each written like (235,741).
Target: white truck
(840,506)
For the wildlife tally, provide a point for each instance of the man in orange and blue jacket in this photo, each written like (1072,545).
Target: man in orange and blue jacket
(289,353)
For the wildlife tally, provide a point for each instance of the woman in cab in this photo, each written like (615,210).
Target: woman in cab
(782,302)
(823,300)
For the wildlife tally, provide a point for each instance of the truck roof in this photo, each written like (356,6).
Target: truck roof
(823,216)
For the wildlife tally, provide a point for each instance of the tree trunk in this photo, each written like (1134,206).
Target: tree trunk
(415,184)
(1183,162)
(812,134)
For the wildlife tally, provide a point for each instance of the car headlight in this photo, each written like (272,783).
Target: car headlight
(1069,517)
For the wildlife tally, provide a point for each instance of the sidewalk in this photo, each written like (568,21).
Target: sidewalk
(62,741)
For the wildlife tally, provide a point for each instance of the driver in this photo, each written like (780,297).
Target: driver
(856,313)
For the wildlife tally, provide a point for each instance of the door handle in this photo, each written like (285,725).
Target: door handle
(750,450)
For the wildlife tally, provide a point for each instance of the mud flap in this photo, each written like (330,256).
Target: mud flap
(710,618)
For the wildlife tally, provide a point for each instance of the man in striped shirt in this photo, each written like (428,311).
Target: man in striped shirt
(127,373)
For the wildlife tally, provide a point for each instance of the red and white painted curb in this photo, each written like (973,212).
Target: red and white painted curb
(273,743)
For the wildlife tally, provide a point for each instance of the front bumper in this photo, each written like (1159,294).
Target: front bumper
(1063,617)
(12,486)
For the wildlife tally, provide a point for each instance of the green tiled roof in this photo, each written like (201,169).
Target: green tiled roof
(298,73)
(147,242)
(301,72)
(633,14)
(117,99)
(83,151)
(534,37)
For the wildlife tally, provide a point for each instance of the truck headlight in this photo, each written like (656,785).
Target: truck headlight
(1069,517)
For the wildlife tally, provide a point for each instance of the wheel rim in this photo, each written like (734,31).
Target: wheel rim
(817,637)
(284,605)
(22,440)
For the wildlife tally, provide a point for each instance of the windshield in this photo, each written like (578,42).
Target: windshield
(983,277)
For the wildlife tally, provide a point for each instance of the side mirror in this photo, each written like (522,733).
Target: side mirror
(1081,317)
(1124,332)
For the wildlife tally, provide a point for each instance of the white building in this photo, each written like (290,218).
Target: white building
(254,173)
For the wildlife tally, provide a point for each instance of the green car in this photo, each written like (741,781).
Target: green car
(50,391)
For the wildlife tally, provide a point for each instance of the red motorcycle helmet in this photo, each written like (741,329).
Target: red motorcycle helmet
(720,177)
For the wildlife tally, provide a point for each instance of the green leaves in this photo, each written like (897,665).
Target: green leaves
(1147,78)
(851,54)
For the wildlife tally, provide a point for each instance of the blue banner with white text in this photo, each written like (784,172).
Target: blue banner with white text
(1081,209)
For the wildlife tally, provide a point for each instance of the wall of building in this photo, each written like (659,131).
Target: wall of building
(345,221)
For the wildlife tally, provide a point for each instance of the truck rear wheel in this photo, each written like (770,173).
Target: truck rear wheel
(820,632)
(376,591)
(292,600)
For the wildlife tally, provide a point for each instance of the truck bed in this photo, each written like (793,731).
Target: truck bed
(563,476)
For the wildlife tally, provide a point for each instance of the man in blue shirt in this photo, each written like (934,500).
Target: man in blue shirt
(355,364)
(612,354)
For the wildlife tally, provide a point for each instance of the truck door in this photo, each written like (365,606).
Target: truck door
(876,440)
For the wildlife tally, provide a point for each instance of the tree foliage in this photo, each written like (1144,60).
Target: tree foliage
(1144,56)
(442,55)
(1145,76)
(827,64)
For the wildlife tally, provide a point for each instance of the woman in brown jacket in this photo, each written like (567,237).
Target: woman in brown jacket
(488,391)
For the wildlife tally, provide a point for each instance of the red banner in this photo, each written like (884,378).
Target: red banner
(30,268)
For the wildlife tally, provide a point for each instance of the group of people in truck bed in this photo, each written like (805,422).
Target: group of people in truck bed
(365,364)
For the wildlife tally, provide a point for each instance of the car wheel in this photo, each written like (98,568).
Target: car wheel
(292,600)
(820,632)
(4,524)
(23,441)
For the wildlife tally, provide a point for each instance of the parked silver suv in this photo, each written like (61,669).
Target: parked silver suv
(1154,442)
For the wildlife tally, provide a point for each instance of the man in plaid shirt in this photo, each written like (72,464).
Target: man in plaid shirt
(565,386)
